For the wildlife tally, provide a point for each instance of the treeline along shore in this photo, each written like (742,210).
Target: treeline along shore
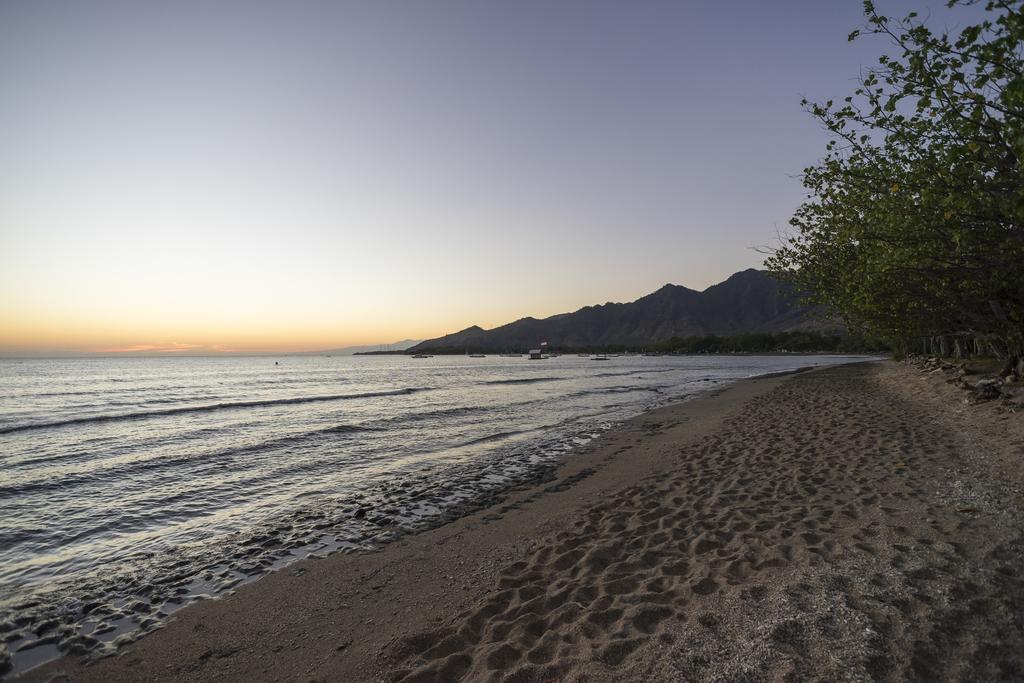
(913,230)
(798,341)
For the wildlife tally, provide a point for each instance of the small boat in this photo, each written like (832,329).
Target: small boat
(421,355)
(477,355)
(600,356)
(537,354)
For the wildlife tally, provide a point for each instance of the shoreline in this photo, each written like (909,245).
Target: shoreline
(95,613)
(462,599)
(103,617)
(569,470)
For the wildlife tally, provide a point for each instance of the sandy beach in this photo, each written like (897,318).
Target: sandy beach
(859,522)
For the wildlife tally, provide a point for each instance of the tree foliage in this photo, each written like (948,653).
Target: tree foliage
(914,221)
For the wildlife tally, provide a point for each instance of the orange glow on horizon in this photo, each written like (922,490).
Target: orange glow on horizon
(172,347)
(102,318)
(47,335)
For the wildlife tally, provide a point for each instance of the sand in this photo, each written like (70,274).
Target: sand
(849,523)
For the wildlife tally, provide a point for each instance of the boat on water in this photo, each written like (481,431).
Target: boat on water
(477,355)
(422,355)
(537,354)
(599,356)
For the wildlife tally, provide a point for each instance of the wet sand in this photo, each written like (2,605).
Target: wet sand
(850,523)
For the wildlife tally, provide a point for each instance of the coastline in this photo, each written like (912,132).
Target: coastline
(462,599)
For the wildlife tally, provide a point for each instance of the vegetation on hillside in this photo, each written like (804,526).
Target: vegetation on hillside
(767,342)
(913,227)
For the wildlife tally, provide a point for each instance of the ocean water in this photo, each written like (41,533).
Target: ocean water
(131,487)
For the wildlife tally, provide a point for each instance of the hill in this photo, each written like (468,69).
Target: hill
(369,348)
(749,301)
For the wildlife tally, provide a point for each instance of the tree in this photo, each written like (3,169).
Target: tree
(913,228)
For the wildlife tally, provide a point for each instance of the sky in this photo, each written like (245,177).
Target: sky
(186,177)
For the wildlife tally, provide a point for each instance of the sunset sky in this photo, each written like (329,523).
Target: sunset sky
(184,177)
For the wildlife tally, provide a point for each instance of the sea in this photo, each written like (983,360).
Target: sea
(130,487)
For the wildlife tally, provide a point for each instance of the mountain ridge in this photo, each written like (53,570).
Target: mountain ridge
(366,348)
(747,301)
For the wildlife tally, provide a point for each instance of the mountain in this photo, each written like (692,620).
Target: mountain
(350,350)
(749,301)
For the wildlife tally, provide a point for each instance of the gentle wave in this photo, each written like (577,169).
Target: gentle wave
(491,437)
(302,437)
(345,429)
(635,371)
(100,391)
(622,389)
(525,380)
(223,459)
(202,409)
(434,414)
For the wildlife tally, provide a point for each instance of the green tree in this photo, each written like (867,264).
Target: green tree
(913,227)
